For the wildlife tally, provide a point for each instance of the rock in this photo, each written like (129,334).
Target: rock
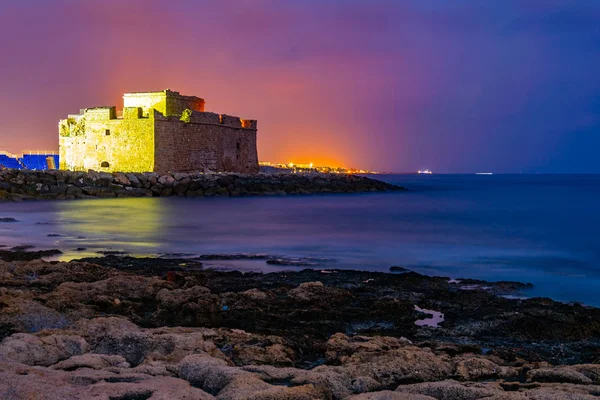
(249,387)
(561,375)
(210,374)
(133,346)
(389,395)
(276,354)
(476,368)
(409,364)
(166,180)
(21,314)
(85,299)
(316,291)
(89,384)
(17,254)
(121,179)
(164,388)
(591,371)
(8,219)
(95,330)
(226,181)
(134,180)
(363,384)
(93,361)
(181,187)
(447,390)
(339,346)
(45,350)
(562,391)
(180,176)
(337,380)
(256,294)
(196,306)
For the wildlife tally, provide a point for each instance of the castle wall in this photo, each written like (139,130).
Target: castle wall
(207,141)
(88,141)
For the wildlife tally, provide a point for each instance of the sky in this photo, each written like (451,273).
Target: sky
(509,86)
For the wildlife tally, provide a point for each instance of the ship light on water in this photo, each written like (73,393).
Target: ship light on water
(425,171)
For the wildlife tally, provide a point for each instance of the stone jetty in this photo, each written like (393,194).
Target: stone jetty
(16,185)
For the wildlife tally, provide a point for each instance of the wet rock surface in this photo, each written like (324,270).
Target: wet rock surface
(124,328)
(26,254)
(18,185)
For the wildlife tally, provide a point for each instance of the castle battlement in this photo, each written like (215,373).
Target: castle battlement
(157,131)
(166,102)
(101,113)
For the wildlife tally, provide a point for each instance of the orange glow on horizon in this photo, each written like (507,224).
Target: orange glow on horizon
(305,160)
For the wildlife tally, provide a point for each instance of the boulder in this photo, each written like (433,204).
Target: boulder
(477,368)
(560,375)
(41,350)
(390,368)
(316,291)
(121,179)
(209,373)
(389,395)
(93,361)
(448,390)
(166,180)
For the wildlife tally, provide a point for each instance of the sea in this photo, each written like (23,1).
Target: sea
(542,229)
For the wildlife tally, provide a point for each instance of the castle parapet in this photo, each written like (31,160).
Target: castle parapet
(101,113)
(230,121)
(132,113)
(219,119)
(249,124)
(205,118)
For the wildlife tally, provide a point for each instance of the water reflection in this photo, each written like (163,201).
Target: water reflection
(110,224)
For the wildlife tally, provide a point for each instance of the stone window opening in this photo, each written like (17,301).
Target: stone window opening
(107,132)
(105,164)
(238,147)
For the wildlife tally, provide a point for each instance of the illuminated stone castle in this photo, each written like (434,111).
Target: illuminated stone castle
(157,131)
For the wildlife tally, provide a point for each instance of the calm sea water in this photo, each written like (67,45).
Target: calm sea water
(541,229)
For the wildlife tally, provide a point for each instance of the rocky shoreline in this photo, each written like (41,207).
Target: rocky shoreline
(133,328)
(16,185)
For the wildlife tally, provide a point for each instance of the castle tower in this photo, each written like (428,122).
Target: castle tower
(166,102)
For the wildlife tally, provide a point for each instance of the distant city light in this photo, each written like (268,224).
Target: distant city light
(311,167)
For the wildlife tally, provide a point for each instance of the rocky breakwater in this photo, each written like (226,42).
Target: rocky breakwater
(94,330)
(51,185)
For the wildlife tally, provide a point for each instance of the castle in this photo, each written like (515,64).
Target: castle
(160,132)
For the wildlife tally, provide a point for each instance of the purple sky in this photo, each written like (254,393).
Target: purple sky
(391,85)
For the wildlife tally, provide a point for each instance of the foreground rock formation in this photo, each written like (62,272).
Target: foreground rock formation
(123,328)
(60,185)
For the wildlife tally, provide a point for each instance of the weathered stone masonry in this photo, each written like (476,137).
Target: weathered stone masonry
(160,132)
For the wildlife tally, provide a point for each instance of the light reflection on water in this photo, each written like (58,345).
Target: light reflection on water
(529,228)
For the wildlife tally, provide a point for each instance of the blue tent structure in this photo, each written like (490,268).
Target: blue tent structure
(36,161)
(10,162)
